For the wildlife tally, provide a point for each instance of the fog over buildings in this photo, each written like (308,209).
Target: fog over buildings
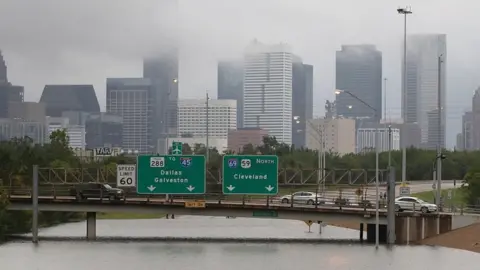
(69,42)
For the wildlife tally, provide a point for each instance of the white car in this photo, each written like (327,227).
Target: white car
(413,204)
(306,197)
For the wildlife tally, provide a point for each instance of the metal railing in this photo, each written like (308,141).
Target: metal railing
(337,199)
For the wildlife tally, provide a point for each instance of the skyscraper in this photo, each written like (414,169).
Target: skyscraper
(302,100)
(3,70)
(61,98)
(130,99)
(230,85)
(267,97)
(359,71)
(423,52)
(163,74)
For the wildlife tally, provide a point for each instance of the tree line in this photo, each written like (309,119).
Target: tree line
(18,156)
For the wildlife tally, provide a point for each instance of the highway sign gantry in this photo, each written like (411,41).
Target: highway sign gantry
(126,175)
(171,174)
(250,175)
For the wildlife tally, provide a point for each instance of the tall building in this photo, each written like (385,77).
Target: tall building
(104,130)
(29,111)
(3,70)
(359,71)
(20,128)
(75,133)
(130,99)
(9,95)
(237,139)
(467,131)
(163,74)
(60,98)
(366,139)
(302,100)
(267,97)
(332,135)
(192,117)
(475,122)
(230,85)
(423,52)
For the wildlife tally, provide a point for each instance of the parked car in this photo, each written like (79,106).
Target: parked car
(96,190)
(414,204)
(303,197)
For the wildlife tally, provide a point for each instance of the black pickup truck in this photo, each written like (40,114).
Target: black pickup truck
(96,190)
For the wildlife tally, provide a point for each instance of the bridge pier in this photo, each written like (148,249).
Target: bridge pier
(371,233)
(361,232)
(91,226)
(415,228)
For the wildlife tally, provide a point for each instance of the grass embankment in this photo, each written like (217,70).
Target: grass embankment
(129,216)
(458,196)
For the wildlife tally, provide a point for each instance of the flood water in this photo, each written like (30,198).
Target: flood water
(78,254)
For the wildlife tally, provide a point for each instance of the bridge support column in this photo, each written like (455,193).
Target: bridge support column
(91,225)
(382,233)
(361,232)
(35,205)
(319,227)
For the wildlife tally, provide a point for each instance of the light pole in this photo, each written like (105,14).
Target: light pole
(207,154)
(389,125)
(377,184)
(439,141)
(321,152)
(404,11)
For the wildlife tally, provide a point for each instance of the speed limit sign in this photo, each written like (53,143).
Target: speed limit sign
(126,175)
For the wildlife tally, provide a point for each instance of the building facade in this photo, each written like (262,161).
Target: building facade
(104,130)
(424,73)
(192,117)
(3,70)
(230,85)
(359,71)
(237,139)
(9,96)
(267,97)
(75,133)
(29,111)
(335,135)
(60,98)
(163,74)
(129,98)
(302,100)
(19,128)
(389,138)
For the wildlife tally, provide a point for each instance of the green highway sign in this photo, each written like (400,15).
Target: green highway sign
(177,148)
(171,174)
(250,175)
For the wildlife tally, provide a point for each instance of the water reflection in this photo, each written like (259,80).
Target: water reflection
(82,255)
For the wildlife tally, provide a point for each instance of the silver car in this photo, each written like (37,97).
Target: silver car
(306,197)
(414,204)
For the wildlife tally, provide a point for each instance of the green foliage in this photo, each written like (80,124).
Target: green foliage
(471,187)
(17,158)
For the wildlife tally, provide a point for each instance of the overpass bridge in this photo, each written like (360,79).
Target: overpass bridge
(409,226)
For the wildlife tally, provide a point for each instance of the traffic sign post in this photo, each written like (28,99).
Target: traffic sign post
(250,175)
(404,191)
(171,174)
(177,148)
(126,175)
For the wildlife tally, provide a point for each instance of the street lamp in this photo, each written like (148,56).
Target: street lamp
(207,131)
(377,184)
(405,12)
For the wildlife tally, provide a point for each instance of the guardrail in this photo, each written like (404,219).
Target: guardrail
(329,199)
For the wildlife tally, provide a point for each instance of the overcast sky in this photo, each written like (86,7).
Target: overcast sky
(84,42)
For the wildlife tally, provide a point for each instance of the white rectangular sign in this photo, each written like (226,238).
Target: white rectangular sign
(404,191)
(126,175)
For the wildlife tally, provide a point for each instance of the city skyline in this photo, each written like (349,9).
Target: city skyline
(81,59)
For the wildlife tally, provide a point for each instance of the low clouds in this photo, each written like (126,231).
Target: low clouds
(71,41)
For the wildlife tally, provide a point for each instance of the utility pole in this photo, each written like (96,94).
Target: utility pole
(207,148)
